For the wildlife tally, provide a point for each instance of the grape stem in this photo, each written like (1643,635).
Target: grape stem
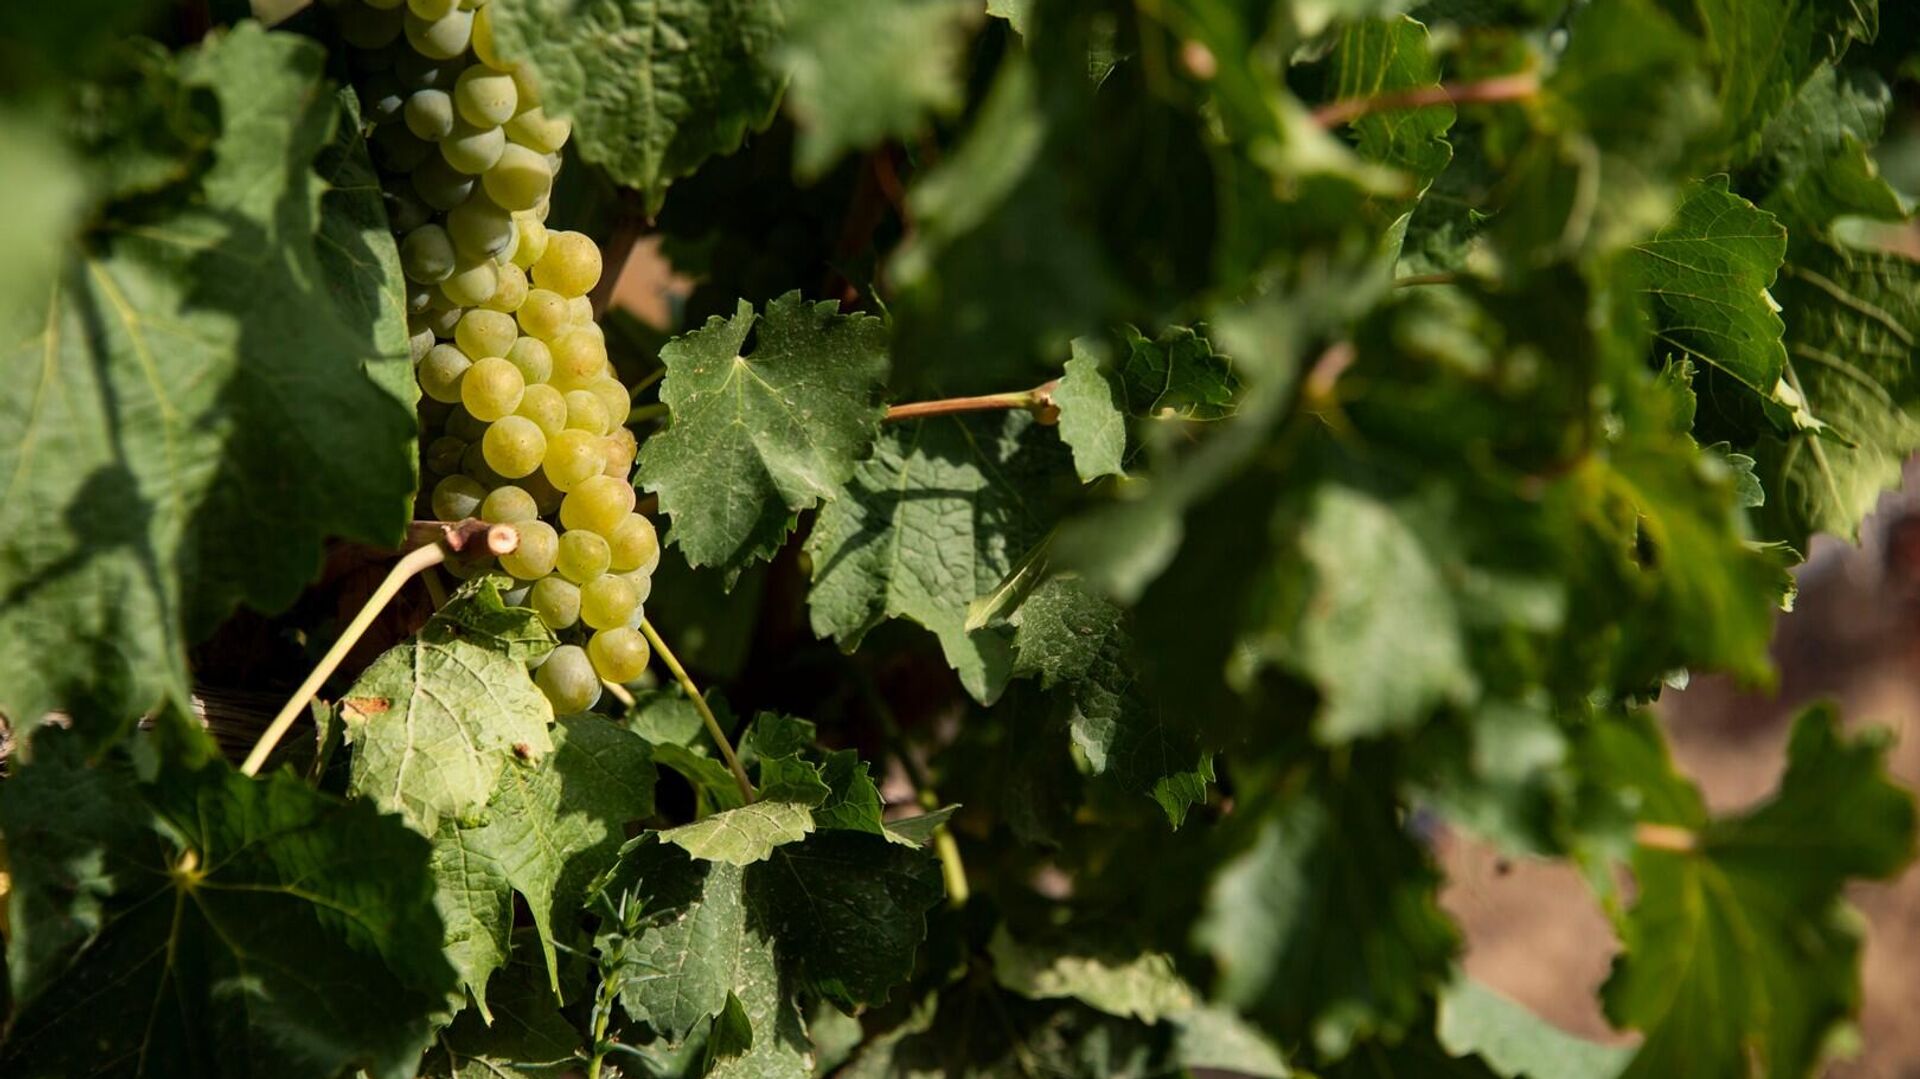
(493,538)
(1034,399)
(1514,87)
(1667,837)
(700,705)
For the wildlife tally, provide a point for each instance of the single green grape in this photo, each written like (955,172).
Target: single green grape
(479,228)
(532,560)
(443,455)
(642,582)
(485,97)
(572,456)
(419,343)
(519,180)
(621,448)
(472,283)
(533,238)
(542,404)
(556,600)
(457,498)
(432,9)
(586,413)
(441,371)
(474,463)
(442,314)
(633,544)
(531,356)
(443,38)
(568,680)
(514,446)
(583,555)
(440,185)
(614,398)
(462,425)
(483,47)
(538,132)
(619,655)
(606,601)
(579,359)
(366,27)
(580,311)
(485,333)
(543,314)
(471,149)
(429,114)
(508,505)
(426,254)
(570,266)
(598,504)
(405,210)
(512,290)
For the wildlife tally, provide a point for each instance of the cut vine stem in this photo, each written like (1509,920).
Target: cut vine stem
(431,541)
(1515,87)
(700,705)
(1036,399)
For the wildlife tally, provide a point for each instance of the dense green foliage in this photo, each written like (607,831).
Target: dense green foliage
(1182,452)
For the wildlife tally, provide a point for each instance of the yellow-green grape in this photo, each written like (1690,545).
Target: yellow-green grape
(642,582)
(483,41)
(573,456)
(442,314)
(419,343)
(542,404)
(621,447)
(471,283)
(606,601)
(530,355)
(485,333)
(443,455)
(556,601)
(545,494)
(533,239)
(598,504)
(543,314)
(426,255)
(429,114)
(568,680)
(480,229)
(472,150)
(514,446)
(443,38)
(533,558)
(485,97)
(524,81)
(538,132)
(633,544)
(512,290)
(457,498)
(580,311)
(432,9)
(579,358)
(440,185)
(612,394)
(619,655)
(519,180)
(585,412)
(508,505)
(441,371)
(571,264)
(492,388)
(583,555)
(542,211)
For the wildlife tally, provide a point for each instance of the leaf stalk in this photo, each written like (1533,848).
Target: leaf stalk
(700,705)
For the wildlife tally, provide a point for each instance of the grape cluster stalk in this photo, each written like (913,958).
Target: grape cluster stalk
(523,419)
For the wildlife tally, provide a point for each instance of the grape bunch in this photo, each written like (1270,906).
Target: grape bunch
(523,418)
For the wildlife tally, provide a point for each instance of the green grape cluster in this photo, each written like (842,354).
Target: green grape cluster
(523,418)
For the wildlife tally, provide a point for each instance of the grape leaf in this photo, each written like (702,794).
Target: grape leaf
(744,835)
(1014,11)
(1740,953)
(1175,375)
(920,830)
(654,88)
(848,911)
(1213,1037)
(435,721)
(1515,1043)
(357,251)
(1131,985)
(853,803)
(1093,421)
(773,433)
(527,1038)
(551,828)
(1383,55)
(224,925)
(683,957)
(863,71)
(938,516)
(478,614)
(179,375)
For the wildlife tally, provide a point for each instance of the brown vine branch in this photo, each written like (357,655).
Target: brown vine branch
(1413,280)
(431,541)
(714,730)
(1038,398)
(1515,87)
(629,225)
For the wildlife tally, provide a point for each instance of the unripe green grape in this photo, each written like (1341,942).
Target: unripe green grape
(598,504)
(542,404)
(621,447)
(542,211)
(442,314)
(457,498)
(619,655)
(539,543)
(583,555)
(479,228)
(405,211)
(633,544)
(419,343)
(613,395)
(512,291)
(586,413)
(443,455)
(462,425)
(538,132)
(514,446)
(556,601)
(607,601)
(485,333)
(483,46)
(642,582)
(492,388)
(474,463)
(568,680)
(573,456)
(543,314)
(430,114)
(519,180)
(426,255)
(440,185)
(545,494)
(433,9)
(580,310)
(508,505)
(526,80)
(571,264)
(533,239)
(472,283)
(443,38)
(419,302)
(485,97)
(441,371)
(397,149)
(472,150)
(530,355)
(369,28)
(579,359)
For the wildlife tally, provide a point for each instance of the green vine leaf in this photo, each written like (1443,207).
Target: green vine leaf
(1137,985)
(778,431)
(1093,418)
(745,835)
(1515,1043)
